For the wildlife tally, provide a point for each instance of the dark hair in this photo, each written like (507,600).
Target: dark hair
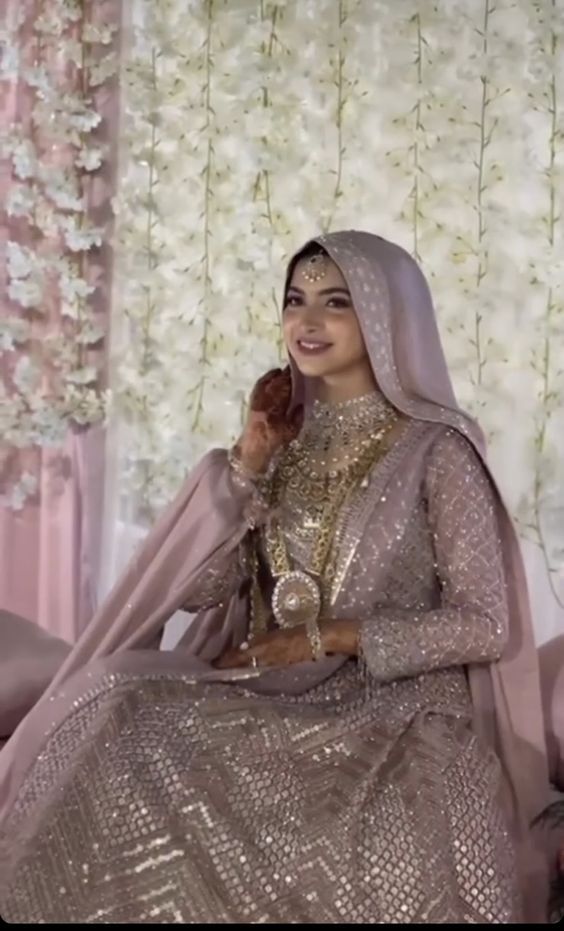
(312,248)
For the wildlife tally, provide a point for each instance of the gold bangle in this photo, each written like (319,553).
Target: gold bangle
(314,636)
(247,481)
(240,471)
(244,473)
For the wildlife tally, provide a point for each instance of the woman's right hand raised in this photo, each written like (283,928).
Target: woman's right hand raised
(268,428)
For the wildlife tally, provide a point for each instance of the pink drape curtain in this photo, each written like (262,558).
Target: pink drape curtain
(50,550)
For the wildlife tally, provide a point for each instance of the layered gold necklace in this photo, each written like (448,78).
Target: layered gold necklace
(318,473)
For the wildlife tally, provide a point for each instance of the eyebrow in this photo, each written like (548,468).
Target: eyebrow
(324,291)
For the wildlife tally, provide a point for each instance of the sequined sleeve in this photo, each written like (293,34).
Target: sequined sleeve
(225,574)
(471,624)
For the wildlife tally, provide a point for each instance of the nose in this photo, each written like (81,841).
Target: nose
(310,326)
(311,317)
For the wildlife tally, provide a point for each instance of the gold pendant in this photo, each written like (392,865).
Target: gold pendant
(296,599)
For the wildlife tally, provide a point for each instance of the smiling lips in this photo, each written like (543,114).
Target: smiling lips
(312,347)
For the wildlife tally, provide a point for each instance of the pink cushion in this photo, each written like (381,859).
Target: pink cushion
(29,659)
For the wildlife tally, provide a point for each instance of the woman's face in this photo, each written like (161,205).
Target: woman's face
(320,327)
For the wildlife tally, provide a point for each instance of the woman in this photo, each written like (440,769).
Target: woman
(351,730)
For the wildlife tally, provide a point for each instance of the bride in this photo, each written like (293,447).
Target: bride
(351,729)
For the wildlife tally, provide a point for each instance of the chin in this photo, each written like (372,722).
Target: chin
(314,368)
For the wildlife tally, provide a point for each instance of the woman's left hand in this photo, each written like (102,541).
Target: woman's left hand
(291,645)
(278,648)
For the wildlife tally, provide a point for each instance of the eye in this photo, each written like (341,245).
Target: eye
(293,300)
(340,303)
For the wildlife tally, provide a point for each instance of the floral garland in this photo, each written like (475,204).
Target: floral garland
(51,376)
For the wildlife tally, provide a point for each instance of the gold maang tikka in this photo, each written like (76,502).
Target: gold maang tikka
(316,267)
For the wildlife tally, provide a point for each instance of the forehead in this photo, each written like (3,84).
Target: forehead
(332,278)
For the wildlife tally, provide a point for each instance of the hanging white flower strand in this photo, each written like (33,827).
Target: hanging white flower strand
(50,326)
(542,509)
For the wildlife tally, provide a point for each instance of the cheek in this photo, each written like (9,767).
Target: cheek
(350,338)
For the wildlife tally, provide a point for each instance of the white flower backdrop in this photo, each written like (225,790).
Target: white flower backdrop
(248,126)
